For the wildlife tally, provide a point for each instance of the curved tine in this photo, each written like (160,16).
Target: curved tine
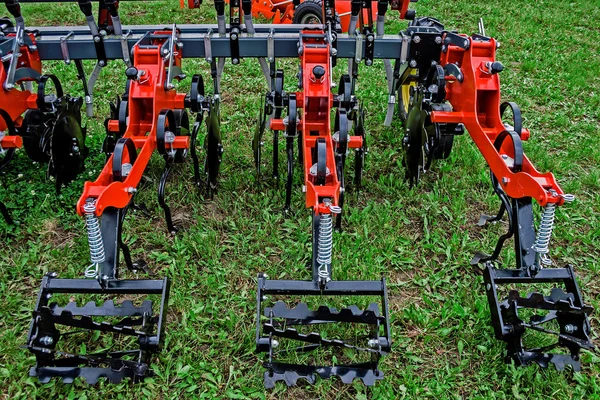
(195,130)
(161,196)
(290,173)
(340,168)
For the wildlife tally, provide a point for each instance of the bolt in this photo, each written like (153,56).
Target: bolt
(417,39)
(466,43)
(170,86)
(303,188)
(274,343)
(438,39)
(46,341)
(97,39)
(497,45)
(105,278)
(131,190)
(444,48)
(373,343)
(569,328)
(433,63)
(9,86)
(53,275)
(234,36)
(504,181)
(102,63)
(180,45)
(413,64)
(49,296)
(370,38)
(235,61)
(165,52)
(488,286)
(369,63)
(33,48)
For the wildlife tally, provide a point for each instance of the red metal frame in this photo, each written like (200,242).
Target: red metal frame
(476,104)
(316,102)
(282,12)
(14,101)
(147,97)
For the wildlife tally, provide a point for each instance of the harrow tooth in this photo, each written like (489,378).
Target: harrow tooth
(558,301)
(90,374)
(125,309)
(291,373)
(313,337)
(86,322)
(324,314)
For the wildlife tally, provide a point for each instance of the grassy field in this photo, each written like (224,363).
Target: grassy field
(420,239)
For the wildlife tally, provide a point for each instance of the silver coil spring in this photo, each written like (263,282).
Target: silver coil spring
(95,242)
(325,245)
(542,241)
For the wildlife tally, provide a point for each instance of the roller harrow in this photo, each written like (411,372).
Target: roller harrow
(441,84)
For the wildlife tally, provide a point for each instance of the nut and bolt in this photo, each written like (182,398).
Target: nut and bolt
(569,328)
(413,63)
(417,39)
(46,341)
(438,39)
(373,343)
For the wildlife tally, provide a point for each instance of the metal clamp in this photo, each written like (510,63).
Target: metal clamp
(358,46)
(64,47)
(208,46)
(14,57)
(125,48)
(405,45)
(271,46)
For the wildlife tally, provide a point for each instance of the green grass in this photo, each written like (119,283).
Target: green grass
(420,239)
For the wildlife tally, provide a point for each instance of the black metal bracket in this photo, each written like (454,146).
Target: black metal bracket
(279,321)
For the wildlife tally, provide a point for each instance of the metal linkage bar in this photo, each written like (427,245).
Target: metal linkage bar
(285,42)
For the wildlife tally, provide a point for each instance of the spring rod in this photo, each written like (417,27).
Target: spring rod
(542,241)
(95,242)
(325,245)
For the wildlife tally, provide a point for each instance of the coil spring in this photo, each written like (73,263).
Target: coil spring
(542,241)
(95,241)
(325,245)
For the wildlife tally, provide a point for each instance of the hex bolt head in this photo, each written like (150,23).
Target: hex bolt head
(569,328)
(413,63)
(274,343)
(46,341)
(53,274)
(488,286)
(373,343)
(417,39)
(97,39)
(438,39)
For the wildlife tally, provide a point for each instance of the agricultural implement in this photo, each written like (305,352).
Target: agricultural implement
(443,83)
(311,11)
(451,83)
(46,124)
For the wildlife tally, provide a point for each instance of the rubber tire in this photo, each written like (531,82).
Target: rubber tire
(307,8)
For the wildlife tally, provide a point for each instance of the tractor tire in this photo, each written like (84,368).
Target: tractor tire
(308,12)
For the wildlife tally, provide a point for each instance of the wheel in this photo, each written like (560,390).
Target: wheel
(308,12)
(404,97)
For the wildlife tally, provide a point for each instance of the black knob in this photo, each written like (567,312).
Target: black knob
(318,72)
(132,73)
(410,15)
(495,67)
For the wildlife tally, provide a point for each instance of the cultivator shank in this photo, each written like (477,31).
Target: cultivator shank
(463,88)
(150,116)
(323,153)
